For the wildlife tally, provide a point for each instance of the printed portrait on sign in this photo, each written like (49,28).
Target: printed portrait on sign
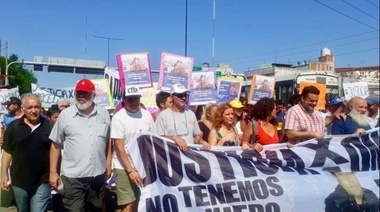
(349,195)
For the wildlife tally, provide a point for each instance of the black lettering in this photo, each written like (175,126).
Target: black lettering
(153,206)
(216,193)
(146,153)
(225,166)
(204,166)
(256,208)
(238,208)
(292,159)
(229,192)
(186,194)
(200,195)
(260,188)
(322,153)
(163,162)
(169,202)
(276,189)
(272,207)
(245,191)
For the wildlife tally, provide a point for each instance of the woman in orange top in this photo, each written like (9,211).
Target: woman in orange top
(264,113)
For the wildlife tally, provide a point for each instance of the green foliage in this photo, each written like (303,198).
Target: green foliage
(18,75)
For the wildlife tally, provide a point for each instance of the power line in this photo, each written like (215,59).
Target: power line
(302,52)
(377,6)
(360,10)
(346,15)
(299,47)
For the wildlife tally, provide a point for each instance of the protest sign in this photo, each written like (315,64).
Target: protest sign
(134,70)
(355,89)
(261,86)
(228,89)
(202,90)
(322,93)
(174,69)
(103,95)
(278,178)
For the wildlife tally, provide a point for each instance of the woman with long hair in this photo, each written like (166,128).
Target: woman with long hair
(264,116)
(205,124)
(224,132)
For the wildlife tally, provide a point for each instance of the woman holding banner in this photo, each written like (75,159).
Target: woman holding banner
(264,120)
(224,132)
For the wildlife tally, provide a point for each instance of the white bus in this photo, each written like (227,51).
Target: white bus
(287,85)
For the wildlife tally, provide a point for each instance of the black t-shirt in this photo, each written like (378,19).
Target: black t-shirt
(29,151)
(206,131)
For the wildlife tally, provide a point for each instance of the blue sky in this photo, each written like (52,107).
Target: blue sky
(247,32)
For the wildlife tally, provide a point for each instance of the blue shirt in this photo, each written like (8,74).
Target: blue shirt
(348,126)
(280,116)
(8,118)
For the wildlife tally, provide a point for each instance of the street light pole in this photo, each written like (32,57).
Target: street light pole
(186,28)
(108,45)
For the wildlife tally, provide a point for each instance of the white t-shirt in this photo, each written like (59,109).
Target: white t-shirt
(183,124)
(126,125)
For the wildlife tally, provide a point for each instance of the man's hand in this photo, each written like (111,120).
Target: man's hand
(135,178)
(4,182)
(318,135)
(54,179)
(359,131)
(180,142)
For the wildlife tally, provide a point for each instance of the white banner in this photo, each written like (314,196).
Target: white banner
(50,96)
(277,179)
(355,89)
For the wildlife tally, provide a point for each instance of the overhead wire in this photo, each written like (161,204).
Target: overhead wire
(298,47)
(377,6)
(353,6)
(346,15)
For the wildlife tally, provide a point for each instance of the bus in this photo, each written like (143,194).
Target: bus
(288,84)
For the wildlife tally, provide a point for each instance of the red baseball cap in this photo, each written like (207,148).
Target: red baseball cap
(85,85)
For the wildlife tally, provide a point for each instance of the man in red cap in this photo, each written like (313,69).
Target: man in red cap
(83,130)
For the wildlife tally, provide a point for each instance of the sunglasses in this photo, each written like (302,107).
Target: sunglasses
(181,95)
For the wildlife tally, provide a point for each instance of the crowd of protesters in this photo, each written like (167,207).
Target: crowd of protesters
(75,148)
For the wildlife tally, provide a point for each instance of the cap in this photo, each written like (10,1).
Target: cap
(178,88)
(336,101)
(236,104)
(132,91)
(12,100)
(372,100)
(85,85)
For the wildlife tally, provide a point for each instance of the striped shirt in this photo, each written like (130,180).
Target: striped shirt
(298,119)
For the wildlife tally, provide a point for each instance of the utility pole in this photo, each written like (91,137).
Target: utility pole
(108,45)
(6,82)
(186,28)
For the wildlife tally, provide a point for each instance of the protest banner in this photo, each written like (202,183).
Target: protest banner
(174,69)
(5,94)
(306,177)
(103,95)
(228,89)
(261,86)
(322,95)
(202,89)
(50,96)
(355,89)
(134,70)
(115,84)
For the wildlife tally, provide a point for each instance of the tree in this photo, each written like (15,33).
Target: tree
(17,75)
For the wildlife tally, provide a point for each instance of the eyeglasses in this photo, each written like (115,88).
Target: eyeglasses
(180,95)
(183,126)
(65,106)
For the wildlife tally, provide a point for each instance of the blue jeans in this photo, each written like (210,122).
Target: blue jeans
(35,199)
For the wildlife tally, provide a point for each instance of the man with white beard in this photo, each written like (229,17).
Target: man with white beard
(357,119)
(82,132)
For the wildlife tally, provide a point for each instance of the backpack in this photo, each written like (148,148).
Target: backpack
(255,137)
